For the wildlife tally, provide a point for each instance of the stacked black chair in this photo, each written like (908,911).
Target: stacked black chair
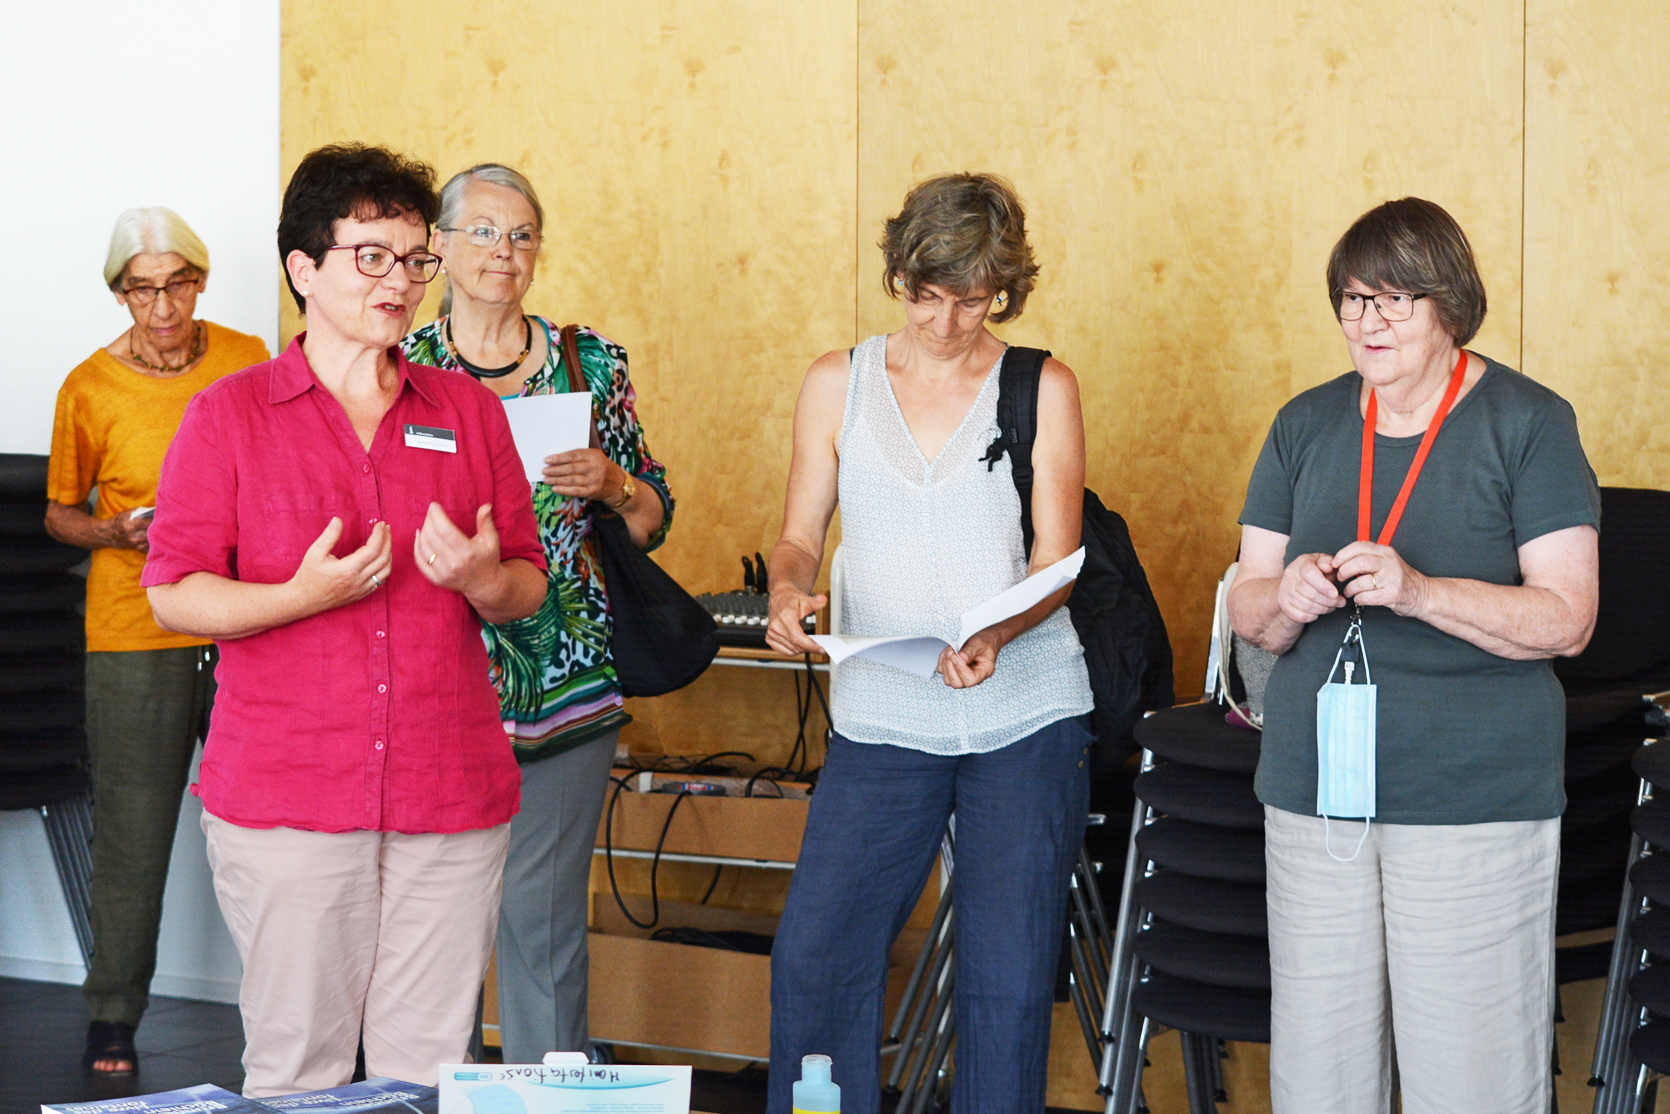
(43,743)
(1190,949)
(1617,873)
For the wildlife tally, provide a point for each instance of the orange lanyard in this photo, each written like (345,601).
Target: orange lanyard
(1365,489)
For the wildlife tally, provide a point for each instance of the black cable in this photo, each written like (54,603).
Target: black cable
(768,774)
(655,861)
(717,867)
(829,720)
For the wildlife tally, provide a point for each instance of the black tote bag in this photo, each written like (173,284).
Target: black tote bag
(663,639)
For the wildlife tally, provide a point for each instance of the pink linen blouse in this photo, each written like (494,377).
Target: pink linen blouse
(374,716)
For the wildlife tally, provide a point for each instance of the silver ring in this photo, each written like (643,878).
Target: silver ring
(375,583)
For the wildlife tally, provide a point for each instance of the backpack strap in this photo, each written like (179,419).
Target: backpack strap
(1017,424)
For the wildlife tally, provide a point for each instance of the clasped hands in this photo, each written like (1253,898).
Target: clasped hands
(1315,584)
(444,555)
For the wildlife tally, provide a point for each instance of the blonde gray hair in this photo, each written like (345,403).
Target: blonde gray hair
(965,233)
(152,231)
(452,202)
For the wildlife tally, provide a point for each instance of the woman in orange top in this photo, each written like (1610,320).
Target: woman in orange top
(148,691)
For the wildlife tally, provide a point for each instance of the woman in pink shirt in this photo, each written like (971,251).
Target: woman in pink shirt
(340,521)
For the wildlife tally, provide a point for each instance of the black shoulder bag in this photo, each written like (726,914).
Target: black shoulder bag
(663,638)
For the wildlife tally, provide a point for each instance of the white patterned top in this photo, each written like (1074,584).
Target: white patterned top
(922,542)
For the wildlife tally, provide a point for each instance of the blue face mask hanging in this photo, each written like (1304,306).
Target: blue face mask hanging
(1345,753)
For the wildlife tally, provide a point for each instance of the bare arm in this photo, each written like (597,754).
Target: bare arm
(74,525)
(1057,520)
(1269,604)
(208,605)
(1551,614)
(808,505)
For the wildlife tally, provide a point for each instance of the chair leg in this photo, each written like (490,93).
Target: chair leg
(1197,1072)
(1117,1025)
(69,833)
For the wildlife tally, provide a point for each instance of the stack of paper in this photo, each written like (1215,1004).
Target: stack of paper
(919,654)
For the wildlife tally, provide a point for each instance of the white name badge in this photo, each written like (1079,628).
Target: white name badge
(429,437)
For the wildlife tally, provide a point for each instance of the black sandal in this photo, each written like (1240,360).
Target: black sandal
(109,1040)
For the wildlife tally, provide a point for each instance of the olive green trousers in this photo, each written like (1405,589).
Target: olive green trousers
(146,709)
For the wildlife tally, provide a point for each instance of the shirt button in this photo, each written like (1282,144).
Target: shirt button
(382,688)
(379,744)
(365,468)
(380,634)
(373,522)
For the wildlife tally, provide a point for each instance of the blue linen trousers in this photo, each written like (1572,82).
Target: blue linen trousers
(872,833)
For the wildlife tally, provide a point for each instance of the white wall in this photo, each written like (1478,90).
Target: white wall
(195,954)
(111,104)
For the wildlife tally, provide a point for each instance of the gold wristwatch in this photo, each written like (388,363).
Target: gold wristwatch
(628,488)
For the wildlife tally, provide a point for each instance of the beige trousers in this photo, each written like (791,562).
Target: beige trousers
(1435,939)
(344,936)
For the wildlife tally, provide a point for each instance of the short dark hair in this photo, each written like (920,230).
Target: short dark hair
(1415,246)
(345,180)
(963,232)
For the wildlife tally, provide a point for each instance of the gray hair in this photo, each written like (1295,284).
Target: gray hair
(452,202)
(152,231)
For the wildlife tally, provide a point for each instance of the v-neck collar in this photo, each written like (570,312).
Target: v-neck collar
(899,411)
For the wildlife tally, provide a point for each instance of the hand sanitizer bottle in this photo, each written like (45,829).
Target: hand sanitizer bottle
(815,1092)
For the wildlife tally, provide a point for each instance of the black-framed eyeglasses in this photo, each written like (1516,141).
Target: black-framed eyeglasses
(486,236)
(1391,305)
(177,289)
(375,261)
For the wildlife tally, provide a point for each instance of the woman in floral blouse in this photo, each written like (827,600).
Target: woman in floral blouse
(557,689)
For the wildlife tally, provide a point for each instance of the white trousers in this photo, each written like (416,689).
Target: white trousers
(345,936)
(1439,938)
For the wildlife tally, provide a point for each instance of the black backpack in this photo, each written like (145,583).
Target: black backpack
(1113,609)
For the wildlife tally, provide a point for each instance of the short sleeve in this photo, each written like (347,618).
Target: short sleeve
(195,528)
(73,468)
(1269,504)
(1553,486)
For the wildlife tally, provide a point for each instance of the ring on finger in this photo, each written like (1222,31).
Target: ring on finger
(375,583)
(431,560)
(1375,577)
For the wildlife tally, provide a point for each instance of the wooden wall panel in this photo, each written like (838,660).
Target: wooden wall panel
(1597,240)
(1186,168)
(696,160)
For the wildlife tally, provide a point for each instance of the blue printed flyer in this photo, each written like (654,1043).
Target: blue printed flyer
(565,1084)
(203,1099)
(381,1095)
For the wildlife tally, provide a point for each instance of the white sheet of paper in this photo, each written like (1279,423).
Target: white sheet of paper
(919,654)
(544,425)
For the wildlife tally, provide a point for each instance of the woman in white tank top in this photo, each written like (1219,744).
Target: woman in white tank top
(894,431)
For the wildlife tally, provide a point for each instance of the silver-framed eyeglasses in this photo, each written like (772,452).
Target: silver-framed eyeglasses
(486,236)
(1391,305)
(375,261)
(175,289)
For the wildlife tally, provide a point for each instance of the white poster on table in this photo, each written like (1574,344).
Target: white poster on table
(566,1083)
